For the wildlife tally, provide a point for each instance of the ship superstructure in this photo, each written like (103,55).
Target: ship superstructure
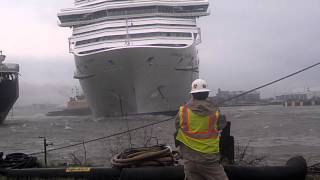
(9,86)
(134,56)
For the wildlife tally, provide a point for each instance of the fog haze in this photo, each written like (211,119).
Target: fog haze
(244,44)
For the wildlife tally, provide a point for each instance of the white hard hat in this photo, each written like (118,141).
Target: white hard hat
(199,85)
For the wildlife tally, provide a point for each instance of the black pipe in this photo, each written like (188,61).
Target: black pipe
(151,173)
(90,173)
(295,169)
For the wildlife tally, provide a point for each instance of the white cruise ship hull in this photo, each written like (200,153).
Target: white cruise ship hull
(135,80)
(135,56)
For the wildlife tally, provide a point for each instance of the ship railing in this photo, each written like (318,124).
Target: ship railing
(82,2)
(140,39)
(89,2)
(150,41)
(123,33)
(119,15)
(82,21)
(114,24)
(134,33)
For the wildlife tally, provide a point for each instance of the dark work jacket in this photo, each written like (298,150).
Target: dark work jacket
(202,108)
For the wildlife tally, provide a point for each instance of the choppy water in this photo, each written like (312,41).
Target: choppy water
(272,131)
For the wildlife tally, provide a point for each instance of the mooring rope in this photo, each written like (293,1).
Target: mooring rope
(168,119)
(105,137)
(268,84)
(314,169)
(159,155)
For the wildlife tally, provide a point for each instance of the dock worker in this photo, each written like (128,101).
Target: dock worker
(198,124)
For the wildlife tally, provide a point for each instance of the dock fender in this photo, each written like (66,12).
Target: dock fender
(298,162)
(295,169)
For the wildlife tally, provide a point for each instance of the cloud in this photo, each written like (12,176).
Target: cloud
(31,29)
(247,43)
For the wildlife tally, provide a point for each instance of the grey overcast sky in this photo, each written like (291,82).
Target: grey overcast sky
(244,43)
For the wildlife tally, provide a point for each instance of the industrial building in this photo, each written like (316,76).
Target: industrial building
(252,98)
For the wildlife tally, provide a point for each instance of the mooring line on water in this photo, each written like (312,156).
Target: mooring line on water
(168,119)
(105,137)
(268,84)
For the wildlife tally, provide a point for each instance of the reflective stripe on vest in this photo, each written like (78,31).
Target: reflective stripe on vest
(212,131)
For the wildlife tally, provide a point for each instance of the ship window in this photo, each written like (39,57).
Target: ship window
(91,51)
(134,10)
(182,9)
(70,18)
(170,45)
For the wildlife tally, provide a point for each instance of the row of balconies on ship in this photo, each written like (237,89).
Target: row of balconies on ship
(155,37)
(114,25)
(97,3)
(82,16)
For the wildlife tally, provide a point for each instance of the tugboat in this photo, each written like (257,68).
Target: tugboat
(9,86)
(76,106)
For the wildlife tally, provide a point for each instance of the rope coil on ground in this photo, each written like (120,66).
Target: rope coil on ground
(17,161)
(159,155)
(314,169)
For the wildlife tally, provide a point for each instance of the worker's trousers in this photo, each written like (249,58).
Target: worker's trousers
(196,171)
(201,166)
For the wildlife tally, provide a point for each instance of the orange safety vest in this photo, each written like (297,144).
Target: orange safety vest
(200,133)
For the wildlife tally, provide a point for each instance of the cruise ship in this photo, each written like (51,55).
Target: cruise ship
(134,56)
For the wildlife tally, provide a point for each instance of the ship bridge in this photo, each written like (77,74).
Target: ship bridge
(7,67)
